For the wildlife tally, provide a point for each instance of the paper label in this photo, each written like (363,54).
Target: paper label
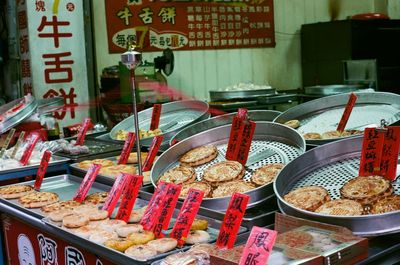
(115,193)
(347,111)
(153,210)
(42,169)
(232,220)
(82,131)
(371,152)
(155,116)
(258,246)
(130,193)
(87,182)
(126,151)
(174,142)
(390,153)
(235,138)
(247,138)
(186,215)
(18,144)
(7,142)
(30,145)
(155,146)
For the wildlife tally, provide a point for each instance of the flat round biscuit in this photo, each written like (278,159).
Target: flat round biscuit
(137,214)
(385,205)
(85,208)
(119,244)
(141,237)
(199,156)
(133,157)
(85,231)
(102,236)
(103,162)
(342,207)
(163,245)
(199,224)
(59,205)
(199,185)
(15,191)
(197,237)
(114,171)
(179,175)
(111,225)
(96,198)
(38,199)
(141,252)
(98,215)
(223,171)
(293,124)
(126,230)
(347,133)
(312,136)
(266,174)
(331,135)
(365,189)
(294,239)
(75,220)
(58,216)
(307,198)
(228,188)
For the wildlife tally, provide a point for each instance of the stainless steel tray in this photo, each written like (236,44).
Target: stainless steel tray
(255,115)
(183,113)
(286,142)
(240,94)
(19,116)
(331,166)
(56,160)
(323,114)
(48,105)
(332,89)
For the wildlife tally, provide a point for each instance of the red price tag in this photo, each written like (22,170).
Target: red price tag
(258,246)
(232,220)
(235,136)
(83,130)
(371,152)
(155,116)
(186,215)
(132,186)
(155,146)
(115,193)
(167,209)
(126,151)
(247,138)
(87,182)
(174,142)
(42,170)
(347,111)
(153,210)
(390,153)
(30,145)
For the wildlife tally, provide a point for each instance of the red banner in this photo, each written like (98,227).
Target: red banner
(153,210)
(82,131)
(371,152)
(154,147)
(155,116)
(126,151)
(115,193)
(129,196)
(390,153)
(87,182)
(189,25)
(247,138)
(42,169)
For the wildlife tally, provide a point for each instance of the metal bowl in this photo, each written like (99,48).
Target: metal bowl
(216,95)
(18,116)
(331,89)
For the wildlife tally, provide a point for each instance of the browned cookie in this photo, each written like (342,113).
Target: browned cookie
(266,174)
(38,199)
(179,175)
(15,191)
(312,136)
(198,185)
(342,207)
(199,156)
(388,204)
(307,198)
(223,172)
(228,188)
(96,198)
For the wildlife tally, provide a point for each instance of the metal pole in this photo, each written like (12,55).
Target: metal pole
(136,121)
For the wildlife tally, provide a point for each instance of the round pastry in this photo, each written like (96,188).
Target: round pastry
(133,157)
(15,192)
(38,199)
(341,207)
(266,174)
(58,216)
(198,185)
(85,208)
(102,236)
(307,198)
(312,136)
(199,156)
(136,215)
(126,230)
(179,175)
(85,231)
(114,171)
(119,244)
(197,237)
(293,124)
(331,135)
(97,215)
(228,188)
(199,224)
(59,205)
(190,257)
(96,198)
(347,133)
(75,220)
(111,225)
(388,204)
(294,239)
(141,252)
(223,172)
(141,237)
(103,162)
(163,245)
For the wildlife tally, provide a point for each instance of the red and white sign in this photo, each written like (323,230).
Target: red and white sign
(83,131)
(154,147)
(390,153)
(235,136)
(42,169)
(371,152)
(153,210)
(115,193)
(87,182)
(126,150)
(247,138)
(130,192)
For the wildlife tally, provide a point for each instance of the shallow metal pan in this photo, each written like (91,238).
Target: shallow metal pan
(56,160)
(331,166)
(323,114)
(286,143)
(240,94)
(19,116)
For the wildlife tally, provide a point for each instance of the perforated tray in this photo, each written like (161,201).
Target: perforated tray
(331,166)
(284,141)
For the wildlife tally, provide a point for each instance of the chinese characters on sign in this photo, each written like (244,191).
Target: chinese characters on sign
(390,153)
(189,25)
(371,152)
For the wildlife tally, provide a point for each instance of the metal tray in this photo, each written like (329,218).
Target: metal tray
(240,94)
(255,115)
(286,142)
(19,116)
(332,89)
(183,113)
(331,166)
(232,104)
(48,105)
(323,114)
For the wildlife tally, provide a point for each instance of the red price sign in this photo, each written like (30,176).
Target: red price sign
(232,220)
(174,142)
(30,145)
(155,146)
(390,153)
(186,215)
(235,136)
(258,246)
(153,210)
(42,169)
(87,182)
(132,186)
(82,131)
(126,151)
(167,209)
(247,138)
(371,152)
(155,116)
(115,193)
(347,111)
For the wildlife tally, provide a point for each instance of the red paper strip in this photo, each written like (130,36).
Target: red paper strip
(82,132)
(174,142)
(371,152)
(232,220)
(247,138)
(42,169)
(167,209)
(130,193)
(390,153)
(235,136)
(126,151)
(347,112)
(30,145)
(153,210)
(155,146)
(87,182)
(186,215)
(258,246)
(115,193)
(155,116)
